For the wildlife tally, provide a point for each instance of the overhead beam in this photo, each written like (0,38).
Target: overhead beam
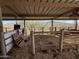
(39,18)
(37,15)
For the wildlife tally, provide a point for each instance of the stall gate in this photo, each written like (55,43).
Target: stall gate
(9,39)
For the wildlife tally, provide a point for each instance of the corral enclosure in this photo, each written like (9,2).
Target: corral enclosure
(43,43)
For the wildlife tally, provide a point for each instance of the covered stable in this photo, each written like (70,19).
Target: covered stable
(37,10)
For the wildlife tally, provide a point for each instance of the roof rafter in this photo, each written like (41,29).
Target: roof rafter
(67,12)
(14,12)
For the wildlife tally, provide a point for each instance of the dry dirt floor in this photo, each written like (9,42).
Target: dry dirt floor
(47,47)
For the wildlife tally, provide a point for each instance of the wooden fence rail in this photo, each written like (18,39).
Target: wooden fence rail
(62,35)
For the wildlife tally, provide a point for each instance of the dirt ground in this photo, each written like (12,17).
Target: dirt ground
(47,47)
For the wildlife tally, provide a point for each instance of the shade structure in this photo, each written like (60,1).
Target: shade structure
(39,9)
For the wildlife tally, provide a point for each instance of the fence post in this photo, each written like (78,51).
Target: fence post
(42,30)
(34,29)
(33,42)
(52,25)
(55,29)
(76,46)
(6,29)
(76,25)
(50,30)
(60,28)
(61,40)
(68,28)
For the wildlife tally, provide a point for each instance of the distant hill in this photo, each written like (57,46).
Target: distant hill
(39,25)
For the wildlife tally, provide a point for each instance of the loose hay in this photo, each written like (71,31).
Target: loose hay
(47,47)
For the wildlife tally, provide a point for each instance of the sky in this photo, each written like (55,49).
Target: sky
(8,22)
(64,21)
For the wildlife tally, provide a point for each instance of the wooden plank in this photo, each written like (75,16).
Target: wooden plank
(18,39)
(44,31)
(9,47)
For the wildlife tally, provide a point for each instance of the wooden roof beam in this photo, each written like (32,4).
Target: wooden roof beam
(28,15)
(39,18)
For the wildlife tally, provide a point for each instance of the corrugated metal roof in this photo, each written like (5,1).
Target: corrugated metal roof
(38,8)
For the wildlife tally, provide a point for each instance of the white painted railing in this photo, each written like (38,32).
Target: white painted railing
(9,39)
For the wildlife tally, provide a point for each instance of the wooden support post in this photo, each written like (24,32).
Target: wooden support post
(2,42)
(31,28)
(50,30)
(61,40)
(6,29)
(60,28)
(55,29)
(24,27)
(51,26)
(76,46)
(75,24)
(68,28)
(42,30)
(33,42)
(34,29)
(16,22)
(24,24)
